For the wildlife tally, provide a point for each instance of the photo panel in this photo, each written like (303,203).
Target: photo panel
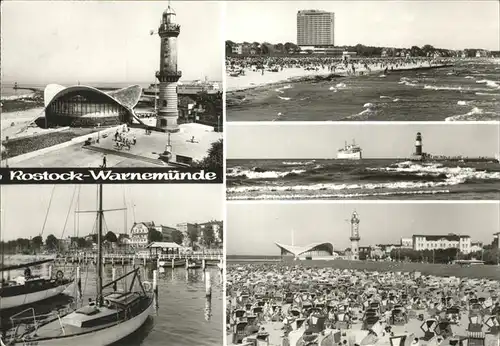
(362,61)
(112,84)
(362,273)
(397,161)
(103,264)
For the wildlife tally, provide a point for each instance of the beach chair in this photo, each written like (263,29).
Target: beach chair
(239,332)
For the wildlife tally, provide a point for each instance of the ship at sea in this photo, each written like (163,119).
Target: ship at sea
(350,152)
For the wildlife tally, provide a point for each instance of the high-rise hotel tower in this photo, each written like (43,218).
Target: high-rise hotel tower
(315,28)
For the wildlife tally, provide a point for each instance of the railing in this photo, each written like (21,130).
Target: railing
(169,28)
(158,74)
(207,255)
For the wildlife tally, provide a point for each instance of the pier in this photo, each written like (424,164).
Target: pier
(210,257)
(17,87)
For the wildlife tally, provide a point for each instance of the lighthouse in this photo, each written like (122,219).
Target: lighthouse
(355,235)
(168,76)
(418,144)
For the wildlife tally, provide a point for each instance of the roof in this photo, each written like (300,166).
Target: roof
(127,97)
(298,250)
(164,245)
(146,223)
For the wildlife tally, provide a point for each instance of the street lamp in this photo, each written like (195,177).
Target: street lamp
(168,148)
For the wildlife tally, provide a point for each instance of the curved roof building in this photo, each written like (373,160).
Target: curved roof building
(85,106)
(311,251)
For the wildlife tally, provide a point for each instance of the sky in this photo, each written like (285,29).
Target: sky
(317,141)
(105,41)
(24,208)
(253,228)
(443,24)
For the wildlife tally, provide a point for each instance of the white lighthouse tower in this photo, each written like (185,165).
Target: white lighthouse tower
(355,235)
(168,76)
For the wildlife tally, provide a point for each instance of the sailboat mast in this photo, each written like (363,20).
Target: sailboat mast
(99,250)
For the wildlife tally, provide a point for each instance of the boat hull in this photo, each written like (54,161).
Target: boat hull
(102,337)
(349,156)
(177,263)
(29,298)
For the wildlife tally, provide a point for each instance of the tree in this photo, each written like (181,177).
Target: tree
(193,235)
(416,51)
(491,256)
(154,235)
(428,50)
(81,243)
(177,237)
(221,232)
(121,237)
(264,49)
(215,158)
(209,236)
(51,242)
(37,242)
(289,46)
(110,237)
(229,47)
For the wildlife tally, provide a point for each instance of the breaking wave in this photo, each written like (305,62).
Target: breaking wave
(475,114)
(334,195)
(298,163)
(490,83)
(258,173)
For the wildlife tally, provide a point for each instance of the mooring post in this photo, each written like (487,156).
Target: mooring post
(208,284)
(173,263)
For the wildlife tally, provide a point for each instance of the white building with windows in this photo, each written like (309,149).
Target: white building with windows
(436,242)
(139,234)
(477,246)
(407,242)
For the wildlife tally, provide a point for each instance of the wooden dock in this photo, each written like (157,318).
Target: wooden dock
(141,259)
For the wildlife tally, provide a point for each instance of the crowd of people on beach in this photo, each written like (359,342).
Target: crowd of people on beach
(298,305)
(239,65)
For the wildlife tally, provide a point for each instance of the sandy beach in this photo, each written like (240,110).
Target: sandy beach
(13,124)
(271,299)
(252,79)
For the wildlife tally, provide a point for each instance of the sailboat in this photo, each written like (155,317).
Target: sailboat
(103,321)
(27,289)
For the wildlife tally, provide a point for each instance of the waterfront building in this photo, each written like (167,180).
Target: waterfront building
(315,28)
(436,242)
(407,243)
(86,106)
(167,233)
(139,234)
(215,227)
(237,49)
(314,251)
(186,229)
(476,246)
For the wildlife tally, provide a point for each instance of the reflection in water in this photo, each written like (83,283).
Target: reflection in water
(208,308)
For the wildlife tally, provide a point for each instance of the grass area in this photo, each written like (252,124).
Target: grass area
(25,145)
